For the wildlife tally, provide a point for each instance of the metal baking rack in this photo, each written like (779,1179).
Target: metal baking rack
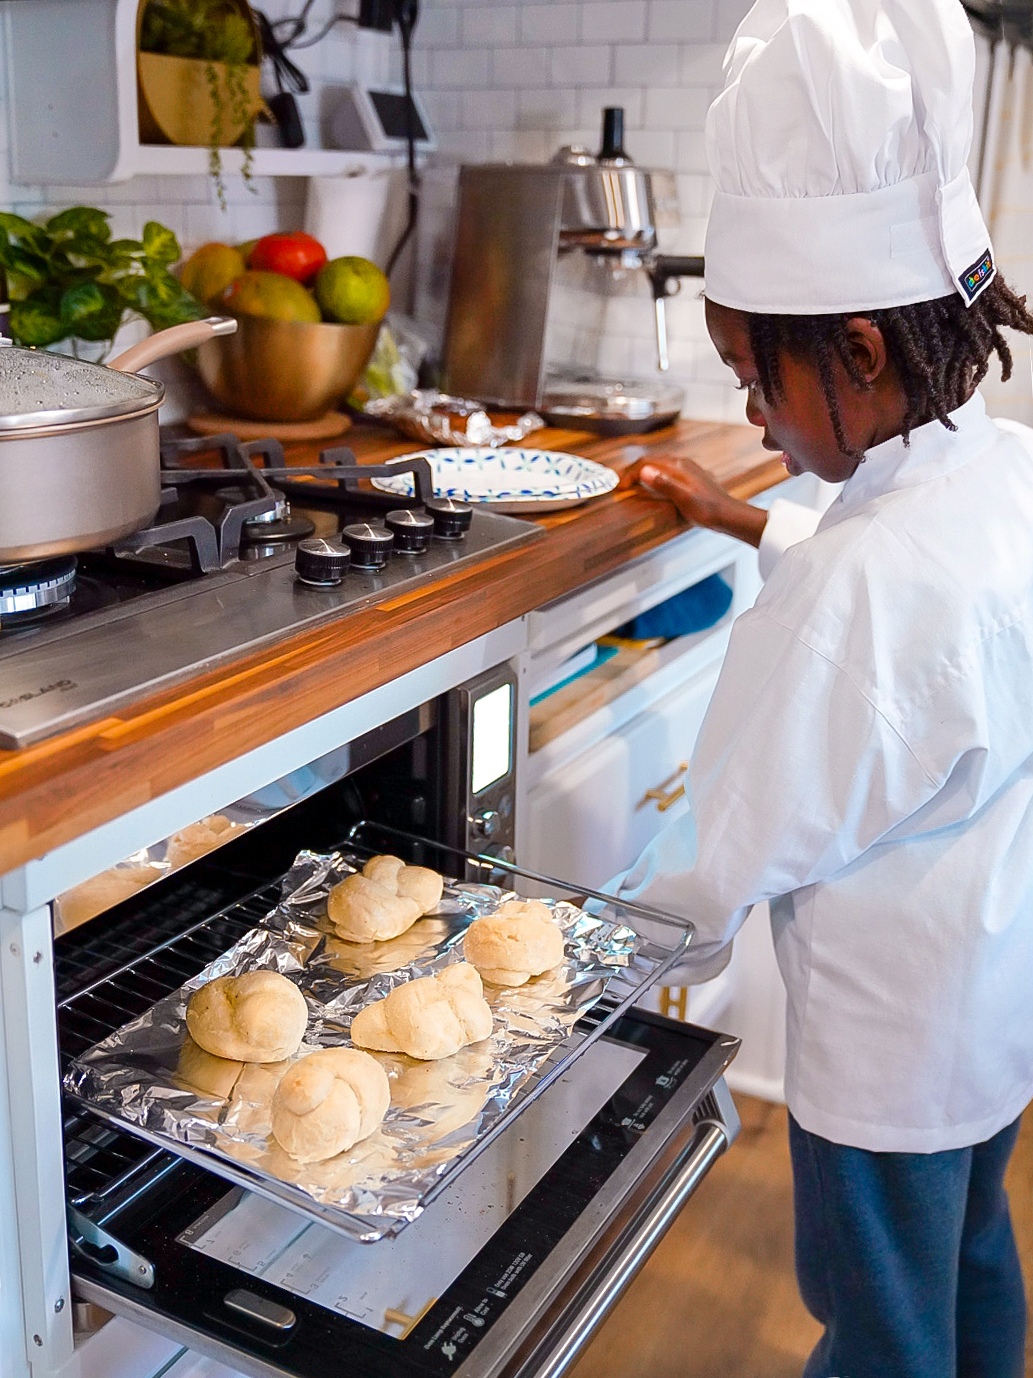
(105,1164)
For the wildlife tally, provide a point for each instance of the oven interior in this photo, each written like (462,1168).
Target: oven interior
(261,1287)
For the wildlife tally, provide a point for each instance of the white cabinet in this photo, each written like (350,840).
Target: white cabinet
(589,818)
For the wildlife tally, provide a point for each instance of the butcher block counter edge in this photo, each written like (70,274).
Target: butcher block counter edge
(67,785)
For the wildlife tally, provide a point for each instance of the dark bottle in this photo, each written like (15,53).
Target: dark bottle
(612,150)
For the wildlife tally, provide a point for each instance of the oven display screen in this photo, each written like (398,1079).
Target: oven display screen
(492,737)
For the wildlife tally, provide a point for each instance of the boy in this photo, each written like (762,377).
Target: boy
(866,764)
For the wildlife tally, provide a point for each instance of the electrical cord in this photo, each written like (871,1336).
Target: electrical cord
(288,74)
(337,19)
(297,24)
(406,14)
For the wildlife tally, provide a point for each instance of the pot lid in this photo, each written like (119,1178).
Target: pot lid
(38,389)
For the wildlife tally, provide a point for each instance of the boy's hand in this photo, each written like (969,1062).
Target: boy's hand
(698,497)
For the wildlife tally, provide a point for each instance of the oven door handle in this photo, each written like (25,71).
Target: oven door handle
(709,1142)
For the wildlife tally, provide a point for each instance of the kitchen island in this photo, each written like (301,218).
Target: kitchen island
(69,784)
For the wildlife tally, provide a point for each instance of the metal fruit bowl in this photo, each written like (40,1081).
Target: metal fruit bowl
(285,370)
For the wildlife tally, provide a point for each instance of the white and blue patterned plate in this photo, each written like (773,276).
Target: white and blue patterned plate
(508,480)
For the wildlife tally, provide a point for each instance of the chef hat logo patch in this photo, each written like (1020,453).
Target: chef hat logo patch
(974,279)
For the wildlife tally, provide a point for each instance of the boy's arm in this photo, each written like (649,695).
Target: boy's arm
(698,497)
(701,500)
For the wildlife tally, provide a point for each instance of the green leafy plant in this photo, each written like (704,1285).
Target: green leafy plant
(69,280)
(212,31)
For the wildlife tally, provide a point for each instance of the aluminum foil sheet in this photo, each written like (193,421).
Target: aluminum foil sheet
(152,1078)
(432,416)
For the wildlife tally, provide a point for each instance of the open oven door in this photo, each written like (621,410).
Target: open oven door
(508,1272)
(511,1266)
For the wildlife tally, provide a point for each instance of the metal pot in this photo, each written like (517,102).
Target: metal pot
(79,444)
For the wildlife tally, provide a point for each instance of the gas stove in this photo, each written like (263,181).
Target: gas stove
(243,551)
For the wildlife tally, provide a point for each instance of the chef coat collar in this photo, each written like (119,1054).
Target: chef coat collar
(931,448)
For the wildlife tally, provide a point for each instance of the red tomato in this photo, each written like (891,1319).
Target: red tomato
(297,255)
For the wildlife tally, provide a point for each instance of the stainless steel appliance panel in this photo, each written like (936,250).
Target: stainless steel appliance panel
(506,243)
(90,666)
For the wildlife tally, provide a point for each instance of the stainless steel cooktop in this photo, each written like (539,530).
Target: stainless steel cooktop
(238,557)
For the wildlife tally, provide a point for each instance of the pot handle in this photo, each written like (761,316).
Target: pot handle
(171,341)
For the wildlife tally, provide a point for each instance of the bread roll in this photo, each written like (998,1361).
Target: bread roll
(452,1091)
(327,1102)
(258,1017)
(385,900)
(417,883)
(204,1072)
(518,941)
(429,1018)
(197,839)
(101,892)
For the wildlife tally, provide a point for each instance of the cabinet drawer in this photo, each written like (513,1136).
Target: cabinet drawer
(589,818)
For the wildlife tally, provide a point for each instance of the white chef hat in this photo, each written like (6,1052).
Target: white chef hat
(839,148)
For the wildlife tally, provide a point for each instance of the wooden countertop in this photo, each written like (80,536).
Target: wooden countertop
(69,784)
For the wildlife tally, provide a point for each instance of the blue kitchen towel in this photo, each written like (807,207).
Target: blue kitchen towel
(692,610)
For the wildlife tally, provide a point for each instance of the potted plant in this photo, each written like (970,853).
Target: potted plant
(71,284)
(198,77)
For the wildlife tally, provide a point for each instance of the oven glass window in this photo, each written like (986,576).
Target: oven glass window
(492,735)
(388,1286)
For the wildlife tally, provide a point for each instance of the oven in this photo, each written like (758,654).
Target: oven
(514,1262)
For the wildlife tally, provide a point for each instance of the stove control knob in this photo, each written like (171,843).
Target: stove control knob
(320,562)
(370,545)
(412,530)
(451,518)
(486,823)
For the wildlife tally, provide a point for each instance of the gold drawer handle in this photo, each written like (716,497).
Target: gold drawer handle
(663,795)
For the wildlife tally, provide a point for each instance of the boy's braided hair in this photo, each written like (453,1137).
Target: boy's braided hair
(940,349)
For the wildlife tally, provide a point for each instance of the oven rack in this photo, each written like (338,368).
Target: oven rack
(109,1161)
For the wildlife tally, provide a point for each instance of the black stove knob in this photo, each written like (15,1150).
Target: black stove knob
(451,518)
(321,562)
(370,545)
(412,530)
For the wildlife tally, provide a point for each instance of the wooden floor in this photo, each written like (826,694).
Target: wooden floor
(718,1299)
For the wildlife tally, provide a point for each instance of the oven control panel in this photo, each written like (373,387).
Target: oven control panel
(483,733)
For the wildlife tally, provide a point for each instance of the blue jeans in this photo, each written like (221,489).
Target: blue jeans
(908,1260)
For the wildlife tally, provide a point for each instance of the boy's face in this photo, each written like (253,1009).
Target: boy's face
(797,424)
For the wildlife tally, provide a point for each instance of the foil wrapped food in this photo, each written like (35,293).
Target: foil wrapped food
(436,418)
(150,1077)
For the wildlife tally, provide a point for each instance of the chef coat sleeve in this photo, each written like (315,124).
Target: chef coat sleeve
(787,523)
(795,774)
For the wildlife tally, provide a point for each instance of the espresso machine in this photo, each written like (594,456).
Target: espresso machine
(537,252)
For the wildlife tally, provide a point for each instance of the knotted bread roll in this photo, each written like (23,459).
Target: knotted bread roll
(383,901)
(429,1018)
(327,1102)
(198,839)
(518,941)
(258,1017)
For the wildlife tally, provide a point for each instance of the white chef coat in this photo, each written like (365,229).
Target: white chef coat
(866,764)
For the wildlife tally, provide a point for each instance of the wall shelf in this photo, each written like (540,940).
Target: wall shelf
(71,73)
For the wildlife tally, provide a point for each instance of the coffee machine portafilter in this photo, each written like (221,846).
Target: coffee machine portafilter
(516,224)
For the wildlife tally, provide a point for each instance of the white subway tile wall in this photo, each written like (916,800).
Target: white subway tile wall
(513,81)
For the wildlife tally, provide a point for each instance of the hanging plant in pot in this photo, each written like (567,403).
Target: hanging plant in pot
(198,77)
